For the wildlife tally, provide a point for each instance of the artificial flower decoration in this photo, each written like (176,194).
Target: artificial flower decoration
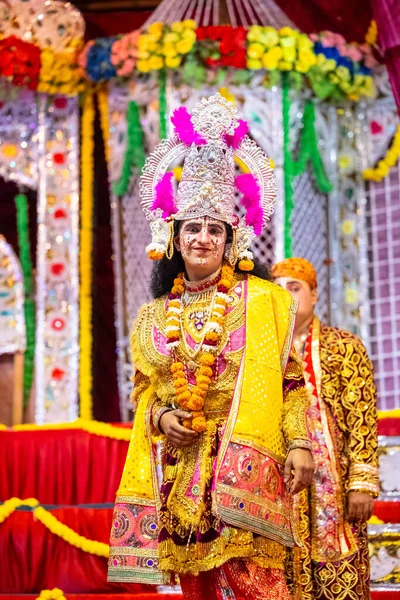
(20,62)
(125,53)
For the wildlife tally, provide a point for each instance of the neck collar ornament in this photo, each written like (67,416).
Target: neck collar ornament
(208,141)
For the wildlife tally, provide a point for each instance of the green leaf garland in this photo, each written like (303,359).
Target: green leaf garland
(309,151)
(21,204)
(134,152)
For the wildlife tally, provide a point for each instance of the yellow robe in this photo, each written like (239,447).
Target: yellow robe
(222,497)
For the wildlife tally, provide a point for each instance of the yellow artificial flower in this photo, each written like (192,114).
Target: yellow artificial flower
(184,46)
(64,73)
(326,64)
(288,42)
(366,85)
(254,64)
(190,35)
(147,43)
(254,33)
(143,55)
(269,37)
(153,39)
(306,60)
(343,73)
(156,28)
(172,62)
(169,50)
(177,26)
(170,38)
(271,58)
(255,50)
(143,66)
(156,63)
(190,24)
(285,66)
(304,42)
(288,31)
(143,42)
(289,54)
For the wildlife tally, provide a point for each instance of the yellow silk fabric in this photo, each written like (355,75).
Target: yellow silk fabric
(269,323)
(137,478)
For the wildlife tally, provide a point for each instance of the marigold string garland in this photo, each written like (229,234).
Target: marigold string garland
(193,400)
(85,259)
(387,162)
(54,525)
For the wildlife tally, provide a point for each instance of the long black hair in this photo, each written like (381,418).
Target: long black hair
(165,270)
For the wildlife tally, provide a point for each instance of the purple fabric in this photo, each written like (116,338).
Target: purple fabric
(387,16)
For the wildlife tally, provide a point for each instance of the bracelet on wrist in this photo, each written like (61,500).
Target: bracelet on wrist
(303,444)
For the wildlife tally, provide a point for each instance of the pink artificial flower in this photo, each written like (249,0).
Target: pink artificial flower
(354,53)
(127,67)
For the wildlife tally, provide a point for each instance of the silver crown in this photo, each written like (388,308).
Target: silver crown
(207,185)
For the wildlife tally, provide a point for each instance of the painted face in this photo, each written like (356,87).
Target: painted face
(301,291)
(202,242)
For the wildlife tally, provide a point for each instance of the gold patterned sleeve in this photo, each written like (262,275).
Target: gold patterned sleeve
(295,405)
(358,401)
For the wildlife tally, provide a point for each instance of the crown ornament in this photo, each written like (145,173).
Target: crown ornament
(208,141)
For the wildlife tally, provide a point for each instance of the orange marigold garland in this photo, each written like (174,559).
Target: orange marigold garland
(193,400)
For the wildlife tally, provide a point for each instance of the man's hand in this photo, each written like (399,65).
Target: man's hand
(299,469)
(360,506)
(177,435)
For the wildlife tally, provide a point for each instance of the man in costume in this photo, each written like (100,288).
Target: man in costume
(216,382)
(333,564)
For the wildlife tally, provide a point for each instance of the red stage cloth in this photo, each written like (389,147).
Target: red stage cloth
(34,559)
(113,596)
(67,466)
(389,426)
(388,512)
(71,466)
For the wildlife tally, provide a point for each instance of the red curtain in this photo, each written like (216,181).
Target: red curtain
(60,466)
(351,18)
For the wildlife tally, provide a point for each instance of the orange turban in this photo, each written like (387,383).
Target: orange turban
(298,268)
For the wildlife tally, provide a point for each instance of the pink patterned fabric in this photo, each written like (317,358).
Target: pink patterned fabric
(236,580)
(387,16)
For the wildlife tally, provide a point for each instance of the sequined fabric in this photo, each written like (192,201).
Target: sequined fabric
(236,580)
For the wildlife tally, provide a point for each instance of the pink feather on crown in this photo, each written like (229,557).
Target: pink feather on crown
(184,129)
(247,185)
(236,139)
(164,196)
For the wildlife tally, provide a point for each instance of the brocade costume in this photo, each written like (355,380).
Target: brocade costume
(222,497)
(333,563)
